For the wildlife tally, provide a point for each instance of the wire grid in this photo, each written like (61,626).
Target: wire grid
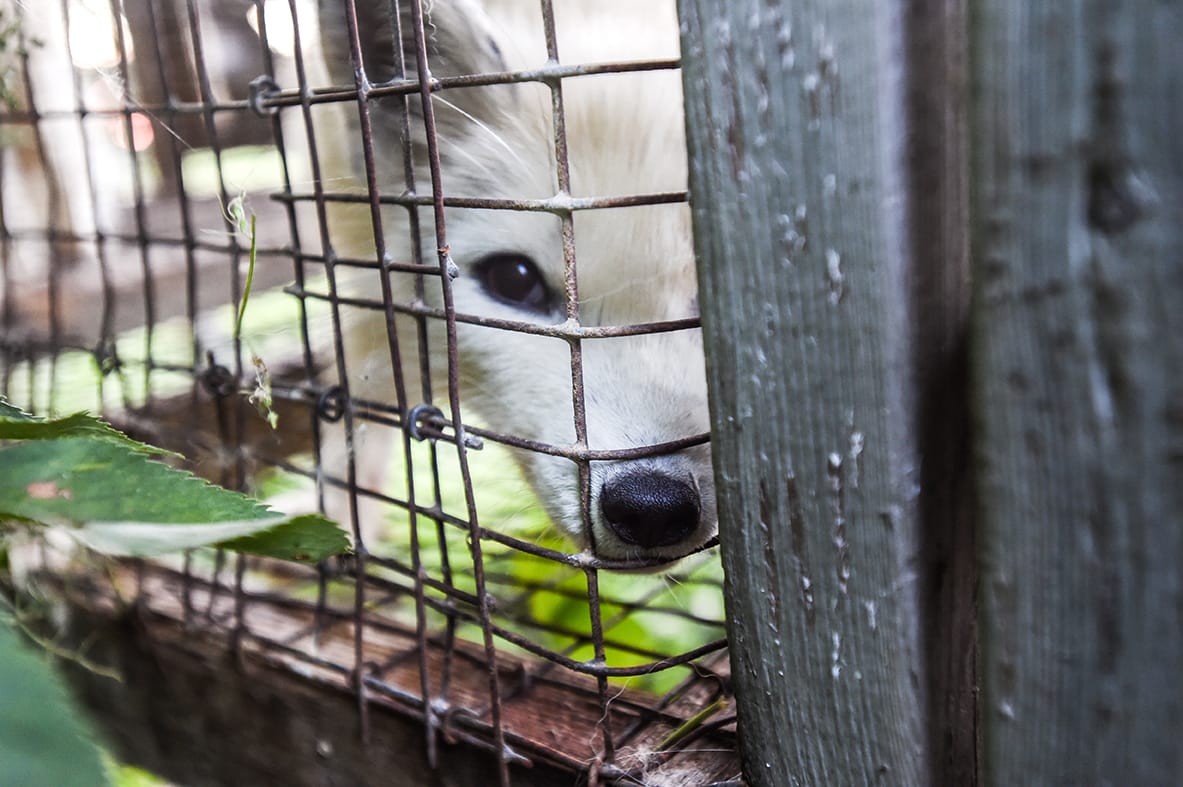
(476,595)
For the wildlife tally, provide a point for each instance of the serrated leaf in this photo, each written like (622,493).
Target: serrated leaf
(124,503)
(13,413)
(84,479)
(17,425)
(42,739)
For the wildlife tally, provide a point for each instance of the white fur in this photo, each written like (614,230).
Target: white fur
(625,136)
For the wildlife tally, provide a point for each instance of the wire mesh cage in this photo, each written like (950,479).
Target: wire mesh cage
(445,247)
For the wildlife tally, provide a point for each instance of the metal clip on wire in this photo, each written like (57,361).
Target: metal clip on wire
(330,406)
(424,414)
(262,88)
(429,415)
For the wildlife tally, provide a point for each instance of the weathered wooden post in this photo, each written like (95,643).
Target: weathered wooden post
(1078,338)
(798,181)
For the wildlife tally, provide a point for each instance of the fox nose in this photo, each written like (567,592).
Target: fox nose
(649,508)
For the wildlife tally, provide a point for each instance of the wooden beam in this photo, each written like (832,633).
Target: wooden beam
(796,133)
(1078,381)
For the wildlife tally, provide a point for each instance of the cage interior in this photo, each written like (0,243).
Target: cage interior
(195,219)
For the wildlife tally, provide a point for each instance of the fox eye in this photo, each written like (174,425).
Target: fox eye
(516,280)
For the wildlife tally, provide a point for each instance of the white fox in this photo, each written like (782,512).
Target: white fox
(634,265)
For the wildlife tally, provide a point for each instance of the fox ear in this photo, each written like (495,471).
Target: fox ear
(461,40)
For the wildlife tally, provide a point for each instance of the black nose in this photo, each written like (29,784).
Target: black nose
(649,508)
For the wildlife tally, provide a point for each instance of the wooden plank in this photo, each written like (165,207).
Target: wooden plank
(795,122)
(1078,379)
(189,712)
(258,688)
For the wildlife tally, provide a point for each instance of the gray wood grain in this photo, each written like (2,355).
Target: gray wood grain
(1078,339)
(795,125)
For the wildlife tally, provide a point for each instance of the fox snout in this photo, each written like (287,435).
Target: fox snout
(648,508)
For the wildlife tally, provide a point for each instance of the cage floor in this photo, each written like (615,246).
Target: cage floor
(551,719)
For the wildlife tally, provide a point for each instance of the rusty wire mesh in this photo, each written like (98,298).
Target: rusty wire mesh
(408,624)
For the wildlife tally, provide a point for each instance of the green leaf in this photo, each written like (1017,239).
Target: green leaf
(7,411)
(124,503)
(83,479)
(42,739)
(308,538)
(18,425)
(305,538)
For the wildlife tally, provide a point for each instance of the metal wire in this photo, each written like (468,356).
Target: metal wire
(457,581)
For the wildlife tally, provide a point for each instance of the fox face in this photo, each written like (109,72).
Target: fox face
(632,265)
